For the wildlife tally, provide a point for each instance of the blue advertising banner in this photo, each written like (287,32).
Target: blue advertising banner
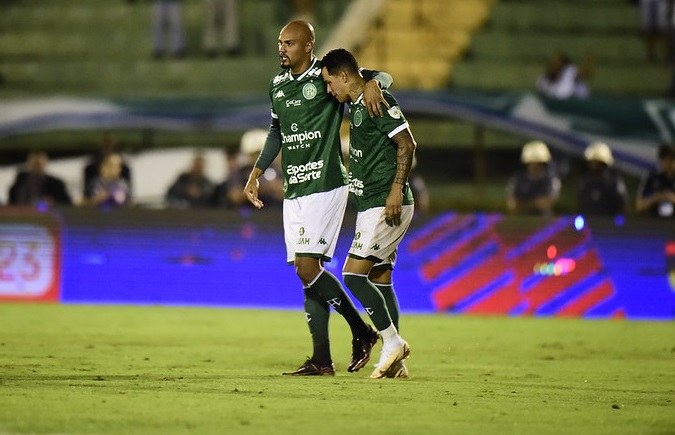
(484,264)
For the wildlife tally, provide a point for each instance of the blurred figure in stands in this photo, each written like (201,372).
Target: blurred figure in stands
(168,33)
(419,189)
(656,194)
(109,188)
(656,24)
(221,27)
(192,189)
(562,79)
(92,169)
(304,10)
(33,185)
(535,189)
(602,191)
(231,193)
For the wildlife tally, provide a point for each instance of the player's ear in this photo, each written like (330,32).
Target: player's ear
(343,75)
(309,47)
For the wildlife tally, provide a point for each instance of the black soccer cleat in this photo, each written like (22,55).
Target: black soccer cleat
(310,368)
(361,348)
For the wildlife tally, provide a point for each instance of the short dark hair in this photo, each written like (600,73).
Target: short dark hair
(666,151)
(338,60)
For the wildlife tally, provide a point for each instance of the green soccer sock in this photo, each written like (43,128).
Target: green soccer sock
(318,312)
(331,291)
(391,300)
(371,299)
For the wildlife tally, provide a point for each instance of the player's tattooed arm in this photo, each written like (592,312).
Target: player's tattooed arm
(404,157)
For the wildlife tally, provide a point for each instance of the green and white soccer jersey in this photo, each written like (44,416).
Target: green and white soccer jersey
(309,119)
(372,154)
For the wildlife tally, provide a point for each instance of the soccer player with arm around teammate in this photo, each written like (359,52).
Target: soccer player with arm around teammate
(305,129)
(381,153)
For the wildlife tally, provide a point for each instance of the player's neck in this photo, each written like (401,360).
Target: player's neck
(304,66)
(356,89)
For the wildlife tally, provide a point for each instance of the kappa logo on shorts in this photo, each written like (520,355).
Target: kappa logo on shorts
(375,247)
(322,241)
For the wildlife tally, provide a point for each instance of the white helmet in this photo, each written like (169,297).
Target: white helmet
(600,152)
(535,152)
(253,141)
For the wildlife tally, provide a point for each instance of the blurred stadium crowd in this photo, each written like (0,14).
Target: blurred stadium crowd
(558,50)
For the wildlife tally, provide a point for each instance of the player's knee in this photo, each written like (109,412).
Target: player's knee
(307,271)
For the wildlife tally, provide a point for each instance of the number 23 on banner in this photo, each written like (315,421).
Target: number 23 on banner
(29,262)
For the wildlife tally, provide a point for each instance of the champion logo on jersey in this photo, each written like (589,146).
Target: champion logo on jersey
(279,94)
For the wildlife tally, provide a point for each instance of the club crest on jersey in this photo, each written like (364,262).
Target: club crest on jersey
(358,118)
(395,112)
(309,91)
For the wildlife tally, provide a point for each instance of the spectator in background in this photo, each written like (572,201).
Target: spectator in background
(535,189)
(602,191)
(562,79)
(220,192)
(221,27)
(419,189)
(192,189)
(168,33)
(92,169)
(303,10)
(656,194)
(33,185)
(656,23)
(109,188)
(231,193)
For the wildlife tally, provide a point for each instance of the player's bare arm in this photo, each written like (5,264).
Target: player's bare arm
(404,157)
(251,188)
(373,98)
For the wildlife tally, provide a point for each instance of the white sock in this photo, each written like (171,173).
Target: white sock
(390,338)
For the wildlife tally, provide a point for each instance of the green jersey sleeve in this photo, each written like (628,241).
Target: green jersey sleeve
(271,148)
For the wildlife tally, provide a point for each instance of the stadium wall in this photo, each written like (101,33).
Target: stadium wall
(483,264)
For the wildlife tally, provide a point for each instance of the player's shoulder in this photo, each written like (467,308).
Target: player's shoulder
(389,97)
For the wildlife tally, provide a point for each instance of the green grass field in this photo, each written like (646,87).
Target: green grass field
(116,369)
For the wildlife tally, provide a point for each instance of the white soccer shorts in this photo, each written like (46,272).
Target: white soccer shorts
(312,223)
(375,240)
